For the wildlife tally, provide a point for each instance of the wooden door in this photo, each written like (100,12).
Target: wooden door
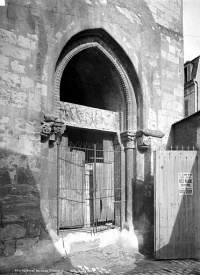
(71,187)
(177,204)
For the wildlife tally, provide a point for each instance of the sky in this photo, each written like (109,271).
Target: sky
(191,29)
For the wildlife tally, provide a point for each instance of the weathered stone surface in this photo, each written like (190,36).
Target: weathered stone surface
(89,118)
(25,244)
(9,247)
(33,228)
(12,231)
(1,248)
(143,36)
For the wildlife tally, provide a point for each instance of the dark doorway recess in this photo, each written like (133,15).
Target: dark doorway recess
(90,79)
(82,136)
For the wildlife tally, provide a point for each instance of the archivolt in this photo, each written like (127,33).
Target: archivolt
(117,67)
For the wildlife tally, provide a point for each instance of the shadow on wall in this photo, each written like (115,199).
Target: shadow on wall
(144,205)
(24,240)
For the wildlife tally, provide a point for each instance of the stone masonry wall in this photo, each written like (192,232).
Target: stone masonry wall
(32,36)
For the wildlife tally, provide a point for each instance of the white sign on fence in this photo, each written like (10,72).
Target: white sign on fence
(2,3)
(185,183)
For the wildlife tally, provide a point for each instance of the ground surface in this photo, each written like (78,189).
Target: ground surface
(113,259)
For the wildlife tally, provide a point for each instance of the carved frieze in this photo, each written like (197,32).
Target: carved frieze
(88,118)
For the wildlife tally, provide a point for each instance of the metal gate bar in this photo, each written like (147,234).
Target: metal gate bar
(87,189)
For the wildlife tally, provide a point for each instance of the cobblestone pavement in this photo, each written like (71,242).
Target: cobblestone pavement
(115,260)
(145,267)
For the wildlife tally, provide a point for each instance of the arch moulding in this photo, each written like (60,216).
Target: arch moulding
(115,64)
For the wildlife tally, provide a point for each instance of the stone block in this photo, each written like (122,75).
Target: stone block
(8,36)
(169,97)
(27,83)
(14,98)
(153,9)
(25,244)
(21,211)
(1,248)
(12,231)
(35,102)
(33,229)
(17,67)
(12,50)
(9,247)
(178,106)
(26,42)
(4,62)
(41,89)
(9,79)
(172,49)
(172,58)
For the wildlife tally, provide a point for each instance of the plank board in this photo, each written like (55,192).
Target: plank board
(72,173)
(176,215)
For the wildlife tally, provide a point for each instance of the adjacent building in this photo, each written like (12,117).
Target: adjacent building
(191,86)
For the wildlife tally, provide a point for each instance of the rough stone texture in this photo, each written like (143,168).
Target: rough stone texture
(13,231)
(9,247)
(25,244)
(32,37)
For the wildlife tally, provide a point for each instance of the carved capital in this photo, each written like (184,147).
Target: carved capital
(51,127)
(144,138)
(144,142)
(128,139)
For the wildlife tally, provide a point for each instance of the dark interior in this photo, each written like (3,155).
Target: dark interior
(90,79)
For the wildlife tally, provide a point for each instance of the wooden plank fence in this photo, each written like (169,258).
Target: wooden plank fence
(177,204)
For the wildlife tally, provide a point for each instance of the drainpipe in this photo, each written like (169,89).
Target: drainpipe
(197,96)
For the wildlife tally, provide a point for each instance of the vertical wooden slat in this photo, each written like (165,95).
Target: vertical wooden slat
(176,220)
(117,186)
(71,187)
(175,204)
(123,188)
(197,207)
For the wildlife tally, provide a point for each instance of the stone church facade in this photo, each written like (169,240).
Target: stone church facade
(84,72)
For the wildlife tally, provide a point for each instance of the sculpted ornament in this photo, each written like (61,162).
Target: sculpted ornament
(144,138)
(46,128)
(128,139)
(51,127)
(144,141)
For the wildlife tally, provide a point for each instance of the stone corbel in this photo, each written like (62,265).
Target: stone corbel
(128,138)
(144,138)
(52,127)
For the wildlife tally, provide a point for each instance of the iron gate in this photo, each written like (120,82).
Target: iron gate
(89,195)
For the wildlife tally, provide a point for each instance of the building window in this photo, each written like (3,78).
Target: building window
(186,107)
(188,72)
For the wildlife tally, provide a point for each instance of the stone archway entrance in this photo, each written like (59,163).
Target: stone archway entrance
(93,94)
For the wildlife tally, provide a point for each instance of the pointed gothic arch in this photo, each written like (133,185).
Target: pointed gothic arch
(132,101)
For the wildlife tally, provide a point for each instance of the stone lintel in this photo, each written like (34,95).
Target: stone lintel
(85,117)
(150,133)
